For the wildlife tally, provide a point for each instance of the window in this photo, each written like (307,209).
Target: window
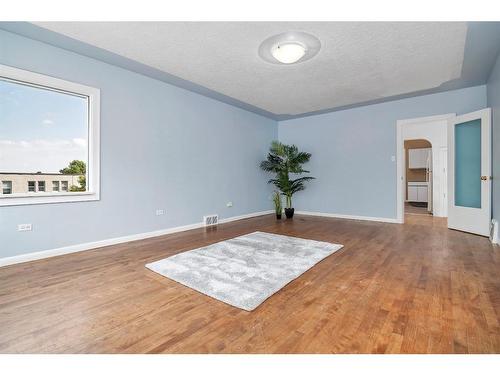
(31,186)
(6,187)
(49,128)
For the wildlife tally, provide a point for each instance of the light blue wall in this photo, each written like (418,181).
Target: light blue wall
(352,149)
(494,102)
(165,147)
(161,147)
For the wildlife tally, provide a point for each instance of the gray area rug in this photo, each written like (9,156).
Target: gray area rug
(244,271)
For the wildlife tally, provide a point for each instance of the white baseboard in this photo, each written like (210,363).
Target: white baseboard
(495,237)
(246,216)
(113,241)
(349,217)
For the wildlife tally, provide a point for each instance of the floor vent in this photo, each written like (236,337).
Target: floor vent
(210,220)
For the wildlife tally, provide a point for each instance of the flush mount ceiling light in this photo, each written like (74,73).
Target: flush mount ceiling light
(288,53)
(289,48)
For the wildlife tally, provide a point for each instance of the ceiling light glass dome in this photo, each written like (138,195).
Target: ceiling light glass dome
(288,53)
(289,48)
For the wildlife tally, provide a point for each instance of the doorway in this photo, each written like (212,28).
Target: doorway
(418,177)
(433,130)
(461,145)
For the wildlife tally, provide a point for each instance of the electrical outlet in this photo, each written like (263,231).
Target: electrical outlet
(24,227)
(229,204)
(160,212)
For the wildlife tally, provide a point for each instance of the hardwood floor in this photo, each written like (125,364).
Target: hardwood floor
(412,288)
(409,209)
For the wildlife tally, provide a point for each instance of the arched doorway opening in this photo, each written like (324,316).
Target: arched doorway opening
(418,169)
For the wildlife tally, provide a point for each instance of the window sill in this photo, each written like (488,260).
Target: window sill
(45,198)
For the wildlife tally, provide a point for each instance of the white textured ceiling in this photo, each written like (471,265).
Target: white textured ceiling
(358,61)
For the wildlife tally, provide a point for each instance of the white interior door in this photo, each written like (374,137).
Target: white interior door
(469,172)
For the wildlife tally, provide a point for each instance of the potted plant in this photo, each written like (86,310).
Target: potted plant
(277,204)
(284,160)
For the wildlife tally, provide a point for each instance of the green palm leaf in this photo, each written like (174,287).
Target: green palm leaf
(284,160)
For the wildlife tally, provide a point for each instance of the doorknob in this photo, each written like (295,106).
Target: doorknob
(484,178)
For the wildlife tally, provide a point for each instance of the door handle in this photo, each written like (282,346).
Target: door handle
(485,178)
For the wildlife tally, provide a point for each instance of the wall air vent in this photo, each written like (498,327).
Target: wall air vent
(210,220)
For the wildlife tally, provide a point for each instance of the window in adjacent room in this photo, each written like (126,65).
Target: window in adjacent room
(49,128)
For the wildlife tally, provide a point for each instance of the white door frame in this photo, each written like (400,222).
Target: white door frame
(443,167)
(400,163)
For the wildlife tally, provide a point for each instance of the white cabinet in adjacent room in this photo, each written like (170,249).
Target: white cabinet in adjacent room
(417,158)
(418,192)
(412,193)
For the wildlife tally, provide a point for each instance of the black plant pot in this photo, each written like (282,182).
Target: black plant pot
(278,216)
(289,212)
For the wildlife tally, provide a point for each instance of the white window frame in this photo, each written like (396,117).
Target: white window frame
(56,183)
(39,184)
(93,168)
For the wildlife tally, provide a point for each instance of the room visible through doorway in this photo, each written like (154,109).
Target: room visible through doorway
(418,169)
